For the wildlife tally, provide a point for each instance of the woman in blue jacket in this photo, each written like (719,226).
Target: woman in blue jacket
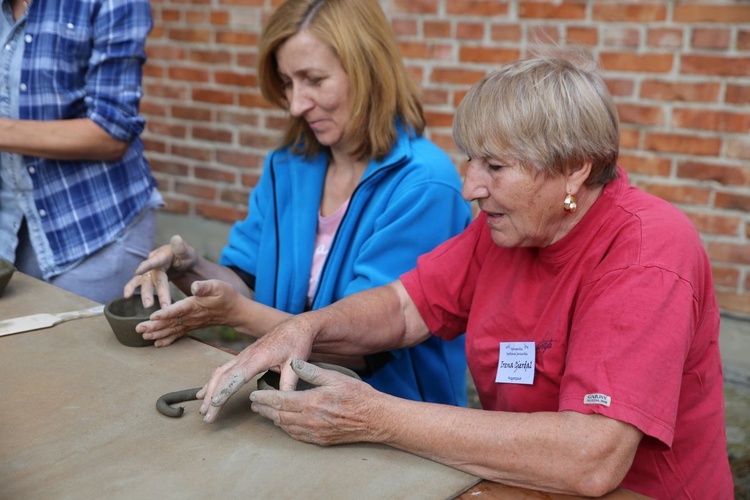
(350,199)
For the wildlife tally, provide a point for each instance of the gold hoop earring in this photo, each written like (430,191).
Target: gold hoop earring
(570,204)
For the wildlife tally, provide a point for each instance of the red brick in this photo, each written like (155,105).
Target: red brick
(151,145)
(582,35)
(152,71)
(153,109)
(622,37)
(743,41)
(629,137)
(715,224)
(188,74)
(711,38)
(629,13)
(234,196)
(664,38)
(215,174)
(168,52)
(738,148)
(257,140)
(238,159)
(169,129)
(638,63)
(212,134)
(210,56)
(235,116)
(725,276)
(246,59)
(169,15)
(679,193)
(483,8)
(221,213)
(714,65)
(727,175)
(235,78)
(437,119)
(645,164)
(190,35)
(219,18)
(470,31)
(172,168)
(190,113)
(440,52)
(707,13)
(678,143)
(195,190)
(505,32)
(620,87)
(456,75)
(213,96)
(192,153)
(734,301)
(414,6)
(435,96)
(544,34)
(737,94)
(437,29)
(640,114)
(254,100)
(237,38)
(154,90)
(723,251)
(551,10)
(196,17)
(404,27)
(487,55)
(680,91)
(444,141)
(414,50)
(250,180)
(242,3)
(732,201)
(175,206)
(704,119)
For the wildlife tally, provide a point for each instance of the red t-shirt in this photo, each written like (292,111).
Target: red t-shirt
(623,307)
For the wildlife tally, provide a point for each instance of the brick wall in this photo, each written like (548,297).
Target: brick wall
(679,70)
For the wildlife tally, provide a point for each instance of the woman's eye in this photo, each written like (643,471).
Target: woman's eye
(494,167)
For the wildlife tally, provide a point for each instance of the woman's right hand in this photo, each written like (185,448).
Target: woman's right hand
(163,264)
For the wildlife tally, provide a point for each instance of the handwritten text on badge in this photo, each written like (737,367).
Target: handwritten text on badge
(516,364)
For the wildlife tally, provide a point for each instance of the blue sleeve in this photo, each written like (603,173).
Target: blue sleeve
(113,81)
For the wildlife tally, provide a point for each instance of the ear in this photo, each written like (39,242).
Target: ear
(576,178)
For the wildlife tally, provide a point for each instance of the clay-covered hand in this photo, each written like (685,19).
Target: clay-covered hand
(164,263)
(211,304)
(339,410)
(289,340)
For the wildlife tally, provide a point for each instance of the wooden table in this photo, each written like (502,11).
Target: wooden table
(78,420)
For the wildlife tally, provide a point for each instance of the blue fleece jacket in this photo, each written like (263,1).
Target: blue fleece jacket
(405,205)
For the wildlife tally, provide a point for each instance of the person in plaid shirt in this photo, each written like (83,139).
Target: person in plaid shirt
(77,197)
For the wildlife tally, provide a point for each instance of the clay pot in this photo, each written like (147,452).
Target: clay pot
(124,314)
(6,272)
(270,379)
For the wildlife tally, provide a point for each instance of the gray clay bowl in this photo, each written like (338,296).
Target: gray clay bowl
(124,314)
(6,272)
(270,379)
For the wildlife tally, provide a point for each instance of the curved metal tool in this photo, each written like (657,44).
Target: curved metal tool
(162,404)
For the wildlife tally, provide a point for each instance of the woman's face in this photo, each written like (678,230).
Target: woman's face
(524,209)
(316,87)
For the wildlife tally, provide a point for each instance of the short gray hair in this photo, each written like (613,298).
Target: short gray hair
(548,113)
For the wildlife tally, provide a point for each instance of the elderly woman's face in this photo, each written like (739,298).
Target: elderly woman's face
(523,209)
(316,86)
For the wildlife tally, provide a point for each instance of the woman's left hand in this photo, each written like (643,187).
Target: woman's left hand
(340,410)
(208,306)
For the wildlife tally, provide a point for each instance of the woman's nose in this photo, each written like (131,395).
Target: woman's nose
(299,102)
(474,187)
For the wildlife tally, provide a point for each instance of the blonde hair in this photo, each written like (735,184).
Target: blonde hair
(548,113)
(381,90)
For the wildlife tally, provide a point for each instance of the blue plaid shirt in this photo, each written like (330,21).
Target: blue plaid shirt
(84,58)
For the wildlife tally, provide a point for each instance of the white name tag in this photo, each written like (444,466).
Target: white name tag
(517,363)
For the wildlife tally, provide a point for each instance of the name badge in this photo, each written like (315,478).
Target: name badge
(516,364)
